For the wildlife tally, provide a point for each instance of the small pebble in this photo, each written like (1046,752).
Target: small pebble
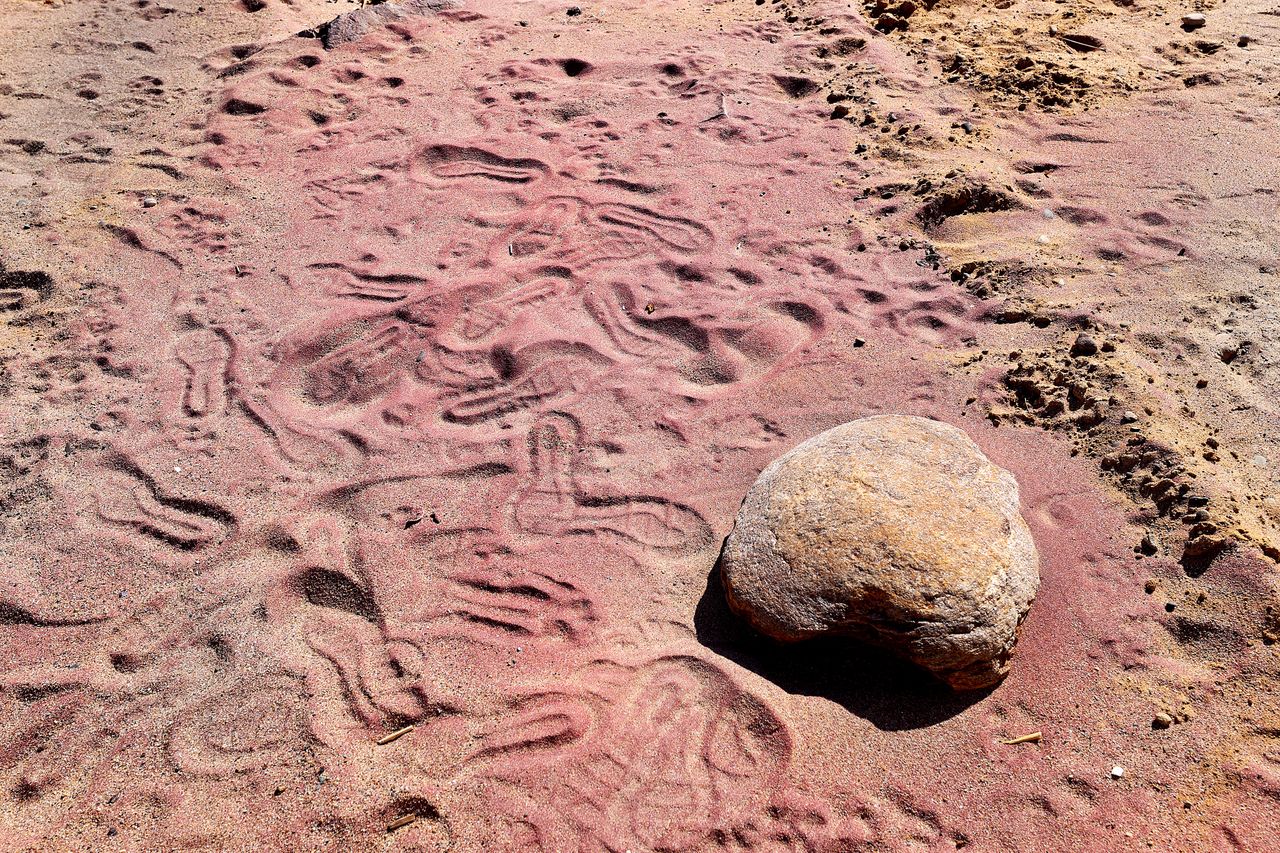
(1128,418)
(1161,721)
(1244,41)
(1043,239)
(859,342)
(1085,346)
(1117,772)
(1194,21)
(1049,214)
(150,201)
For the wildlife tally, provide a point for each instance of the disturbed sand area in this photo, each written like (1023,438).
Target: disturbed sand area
(417,380)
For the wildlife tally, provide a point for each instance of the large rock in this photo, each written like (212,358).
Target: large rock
(354,25)
(897,531)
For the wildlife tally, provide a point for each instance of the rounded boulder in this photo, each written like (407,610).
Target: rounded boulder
(896,531)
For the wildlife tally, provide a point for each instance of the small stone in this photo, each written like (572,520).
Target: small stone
(1161,721)
(1204,546)
(889,22)
(1152,585)
(1244,41)
(896,531)
(1084,346)
(573,11)
(150,201)
(1128,418)
(1090,417)
(1117,772)
(859,342)
(1193,21)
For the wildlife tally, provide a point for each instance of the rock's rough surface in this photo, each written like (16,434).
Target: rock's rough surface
(895,530)
(354,25)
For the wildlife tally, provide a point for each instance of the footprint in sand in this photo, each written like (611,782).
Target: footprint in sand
(549,502)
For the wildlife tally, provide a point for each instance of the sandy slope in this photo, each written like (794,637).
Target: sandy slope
(415,378)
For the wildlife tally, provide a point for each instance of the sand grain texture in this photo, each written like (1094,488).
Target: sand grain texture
(426,391)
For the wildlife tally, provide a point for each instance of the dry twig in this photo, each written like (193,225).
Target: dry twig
(1034,737)
(396,735)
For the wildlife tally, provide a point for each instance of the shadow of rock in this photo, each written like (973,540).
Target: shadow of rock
(891,694)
